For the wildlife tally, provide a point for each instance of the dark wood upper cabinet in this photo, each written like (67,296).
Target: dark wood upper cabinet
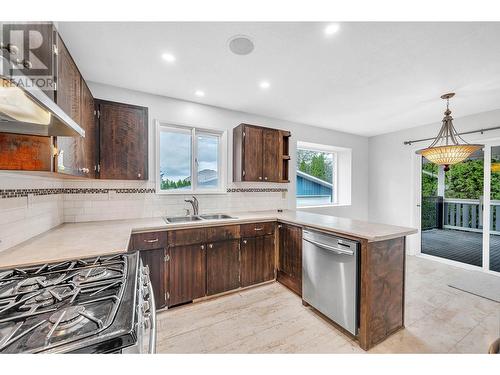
(89,124)
(186,274)
(271,155)
(68,82)
(123,130)
(70,158)
(257,260)
(260,154)
(252,148)
(290,257)
(223,266)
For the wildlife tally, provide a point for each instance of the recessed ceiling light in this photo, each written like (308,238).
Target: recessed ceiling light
(199,93)
(241,45)
(264,85)
(168,57)
(332,28)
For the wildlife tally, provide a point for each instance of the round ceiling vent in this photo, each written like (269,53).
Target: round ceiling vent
(241,45)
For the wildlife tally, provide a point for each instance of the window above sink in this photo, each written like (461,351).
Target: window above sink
(190,160)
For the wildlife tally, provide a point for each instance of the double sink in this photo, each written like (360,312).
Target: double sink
(187,219)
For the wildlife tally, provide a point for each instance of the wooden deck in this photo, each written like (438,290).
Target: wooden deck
(461,246)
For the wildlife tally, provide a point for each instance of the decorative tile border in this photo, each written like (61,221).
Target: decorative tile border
(257,190)
(16,193)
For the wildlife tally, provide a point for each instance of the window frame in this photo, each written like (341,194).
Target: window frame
(326,150)
(194,131)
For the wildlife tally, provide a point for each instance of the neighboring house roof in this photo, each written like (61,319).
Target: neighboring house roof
(314,179)
(207,175)
(204,176)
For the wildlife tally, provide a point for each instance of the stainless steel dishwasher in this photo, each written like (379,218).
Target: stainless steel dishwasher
(330,277)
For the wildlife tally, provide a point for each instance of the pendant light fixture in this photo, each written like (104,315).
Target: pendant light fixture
(446,149)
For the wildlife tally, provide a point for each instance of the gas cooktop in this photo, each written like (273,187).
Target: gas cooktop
(68,307)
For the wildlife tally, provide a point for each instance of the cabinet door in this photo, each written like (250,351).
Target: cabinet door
(252,154)
(89,124)
(186,276)
(257,260)
(155,260)
(68,97)
(290,257)
(271,155)
(123,147)
(223,266)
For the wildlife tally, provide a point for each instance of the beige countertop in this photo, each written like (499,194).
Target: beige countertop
(80,240)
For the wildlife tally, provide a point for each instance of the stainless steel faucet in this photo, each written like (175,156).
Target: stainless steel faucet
(196,205)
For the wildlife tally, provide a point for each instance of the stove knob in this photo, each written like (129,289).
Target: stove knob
(145,307)
(145,270)
(145,292)
(145,280)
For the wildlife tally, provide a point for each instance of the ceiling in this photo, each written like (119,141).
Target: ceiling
(367,79)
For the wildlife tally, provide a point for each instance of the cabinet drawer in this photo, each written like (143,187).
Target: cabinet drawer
(148,241)
(227,232)
(257,229)
(183,237)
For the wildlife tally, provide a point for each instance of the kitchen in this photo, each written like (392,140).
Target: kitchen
(194,211)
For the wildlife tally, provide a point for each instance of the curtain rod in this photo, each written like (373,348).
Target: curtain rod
(464,133)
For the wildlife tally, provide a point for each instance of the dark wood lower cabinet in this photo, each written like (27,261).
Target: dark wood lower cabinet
(223,266)
(186,273)
(257,260)
(290,257)
(155,260)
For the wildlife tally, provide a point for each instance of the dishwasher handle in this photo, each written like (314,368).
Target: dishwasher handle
(330,248)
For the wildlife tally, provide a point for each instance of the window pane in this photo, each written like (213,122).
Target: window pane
(315,174)
(208,161)
(175,160)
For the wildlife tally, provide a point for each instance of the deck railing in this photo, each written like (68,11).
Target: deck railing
(461,214)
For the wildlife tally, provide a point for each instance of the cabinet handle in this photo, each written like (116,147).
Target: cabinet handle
(210,246)
(138,175)
(265,178)
(279,226)
(261,228)
(202,247)
(244,241)
(260,178)
(152,241)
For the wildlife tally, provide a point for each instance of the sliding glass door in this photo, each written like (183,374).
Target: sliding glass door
(494,236)
(452,210)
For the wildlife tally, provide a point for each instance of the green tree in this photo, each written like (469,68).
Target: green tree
(465,180)
(429,179)
(317,164)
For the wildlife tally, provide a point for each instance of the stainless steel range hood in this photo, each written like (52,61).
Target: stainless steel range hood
(28,110)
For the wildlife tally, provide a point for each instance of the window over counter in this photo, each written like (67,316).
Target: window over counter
(316,177)
(190,160)
(323,175)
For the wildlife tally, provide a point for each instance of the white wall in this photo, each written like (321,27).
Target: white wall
(24,217)
(176,111)
(393,183)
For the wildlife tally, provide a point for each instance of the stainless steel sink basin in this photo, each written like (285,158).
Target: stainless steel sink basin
(217,217)
(182,219)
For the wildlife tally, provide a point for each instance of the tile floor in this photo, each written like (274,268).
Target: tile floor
(271,319)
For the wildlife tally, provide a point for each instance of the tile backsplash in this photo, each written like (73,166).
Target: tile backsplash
(30,205)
